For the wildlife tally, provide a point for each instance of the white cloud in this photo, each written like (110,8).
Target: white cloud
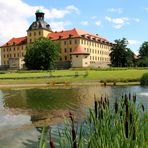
(93,17)
(14,17)
(146,8)
(84,23)
(116,10)
(120,22)
(136,20)
(73,8)
(58,26)
(60,13)
(98,23)
(117,20)
(134,42)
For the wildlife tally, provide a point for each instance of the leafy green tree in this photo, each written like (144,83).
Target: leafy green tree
(42,54)
(121,56)
(143,55)
(143,52)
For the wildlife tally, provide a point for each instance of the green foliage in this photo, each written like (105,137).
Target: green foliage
(42,54)
(124,125)
(144,79)
(121,56)
(143,55)
(143,52)
(143,62)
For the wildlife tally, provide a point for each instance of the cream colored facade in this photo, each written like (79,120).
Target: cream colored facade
(12,53)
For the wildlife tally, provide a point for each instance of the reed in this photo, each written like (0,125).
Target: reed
(123,124)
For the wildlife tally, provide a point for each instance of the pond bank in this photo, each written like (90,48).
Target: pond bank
(58,84)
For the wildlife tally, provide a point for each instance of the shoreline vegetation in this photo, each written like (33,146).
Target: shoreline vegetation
(106,76)
(121,124)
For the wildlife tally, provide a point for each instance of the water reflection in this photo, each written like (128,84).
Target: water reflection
(21,110)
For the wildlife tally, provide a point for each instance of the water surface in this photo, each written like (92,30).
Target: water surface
(22,110)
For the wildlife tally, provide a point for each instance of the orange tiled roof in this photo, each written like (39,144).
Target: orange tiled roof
(80,50)
(76,33)
(16,41)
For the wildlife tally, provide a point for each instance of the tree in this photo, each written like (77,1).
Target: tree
(143,55)
(121,56)
(42,54)
(143,52)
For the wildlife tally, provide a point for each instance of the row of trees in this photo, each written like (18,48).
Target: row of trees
(43,54)
(121,56)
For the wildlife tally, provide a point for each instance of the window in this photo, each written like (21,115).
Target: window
(14,48)
(30,40)
(14,55)
(75,41)
(70,42)
(70,49)
(76,56)
(10,55)
(65,58)
(30,34)
(4,55)
(60,58)
(39,33)
(65,49)
(4,49)
(18,48)
(64,42)
(7,55)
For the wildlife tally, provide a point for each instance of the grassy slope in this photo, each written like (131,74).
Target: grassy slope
(118,75)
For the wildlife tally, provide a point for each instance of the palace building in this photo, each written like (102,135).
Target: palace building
(78,48)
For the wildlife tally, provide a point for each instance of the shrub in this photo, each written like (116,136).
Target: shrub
(144,79)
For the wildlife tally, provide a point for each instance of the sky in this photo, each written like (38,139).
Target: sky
(112,19)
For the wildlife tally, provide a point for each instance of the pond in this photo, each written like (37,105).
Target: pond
(24,109)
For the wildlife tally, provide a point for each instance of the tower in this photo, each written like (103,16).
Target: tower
(38,28)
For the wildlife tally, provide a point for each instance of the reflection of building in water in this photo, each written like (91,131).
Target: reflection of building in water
(86,94)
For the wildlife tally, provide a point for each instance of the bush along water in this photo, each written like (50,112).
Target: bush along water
(123,125)
(144,79)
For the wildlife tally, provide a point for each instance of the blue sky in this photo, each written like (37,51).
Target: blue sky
(112,19)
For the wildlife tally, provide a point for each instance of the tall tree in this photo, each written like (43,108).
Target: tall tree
(143,52)
(121,56)
(143,55)
(42,54)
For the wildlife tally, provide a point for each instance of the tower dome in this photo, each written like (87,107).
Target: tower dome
(39,11)
(39,23)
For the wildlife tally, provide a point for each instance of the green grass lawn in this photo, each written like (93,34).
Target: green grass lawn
(108,75)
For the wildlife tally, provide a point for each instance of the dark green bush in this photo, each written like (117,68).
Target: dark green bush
(144,79)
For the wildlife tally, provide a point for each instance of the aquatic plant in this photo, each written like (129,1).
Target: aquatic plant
(123,124)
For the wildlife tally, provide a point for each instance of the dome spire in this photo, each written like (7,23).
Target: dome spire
(39,15)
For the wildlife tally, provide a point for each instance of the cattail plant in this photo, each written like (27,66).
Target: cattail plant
(98,128)
(116,106)
(50,141)
(134,98)
(73,131)
(96,106)
(126,128)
